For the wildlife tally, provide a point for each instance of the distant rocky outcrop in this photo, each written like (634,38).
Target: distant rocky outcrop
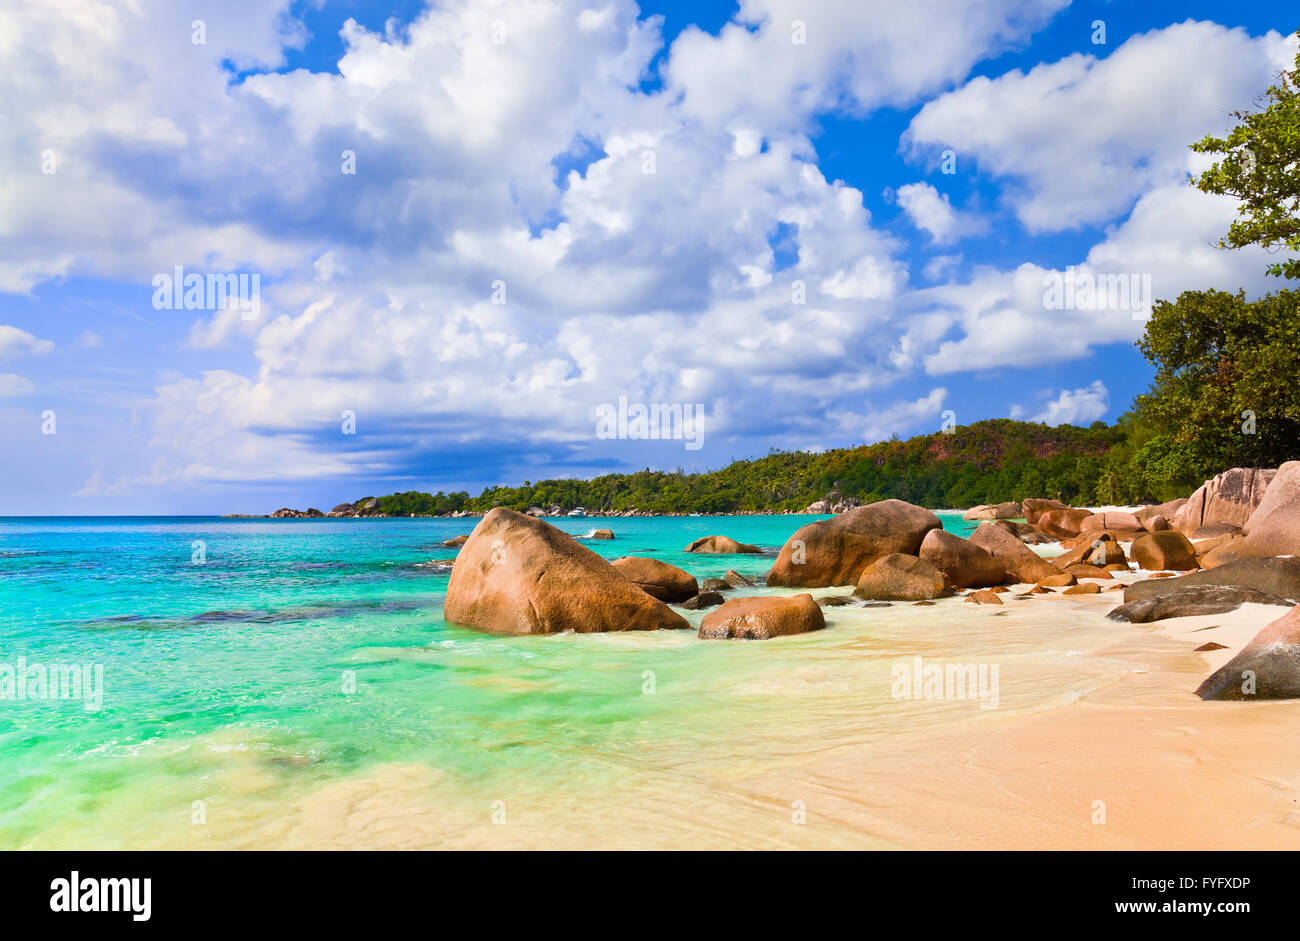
(721,545)
(996,511)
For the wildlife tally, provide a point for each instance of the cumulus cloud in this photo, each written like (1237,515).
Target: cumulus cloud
(932,211)
(1073,406)
(530,234)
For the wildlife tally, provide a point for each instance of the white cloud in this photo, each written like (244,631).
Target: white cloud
(1073,407)
(1079,140)
(932,211)
(15,342)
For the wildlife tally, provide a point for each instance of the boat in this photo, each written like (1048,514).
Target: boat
(578,511)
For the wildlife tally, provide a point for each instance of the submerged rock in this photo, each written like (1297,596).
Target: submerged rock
(721,545)
(705,599)
(762,618)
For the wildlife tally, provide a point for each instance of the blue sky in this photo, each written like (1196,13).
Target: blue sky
(506,143)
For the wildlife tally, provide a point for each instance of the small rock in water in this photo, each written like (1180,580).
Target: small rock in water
(705,599)
(923,604)
(714,584)
(1212,646)
(834,601)
(984,596)
(736,580)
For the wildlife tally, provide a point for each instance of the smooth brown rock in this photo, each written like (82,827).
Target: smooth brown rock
(963,564)
(1124,522)
(602,534)
(1211,646)
(1230,497)
(1034,508)
(658,579)
(456,541)
(1267,668)
(996,511)
(705,599)
(1166,510)
(1029,534)
(735,579)
(757,618)
(1279,577)
(1060,580)
(1227,551)
(721,545)
(1088,571)
(1100,551)
(1083,588)
(837,551)
(984,596)
(520,575)
(899,577)
(1021,563)
(1063,523)
(714,584)
(1169,550)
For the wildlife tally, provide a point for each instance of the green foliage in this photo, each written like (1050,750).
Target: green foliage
(1225,367)
(986,462)
(1261,168)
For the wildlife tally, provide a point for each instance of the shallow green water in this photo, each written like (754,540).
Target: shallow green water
(298,686)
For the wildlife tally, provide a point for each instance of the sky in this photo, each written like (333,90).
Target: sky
(468,229)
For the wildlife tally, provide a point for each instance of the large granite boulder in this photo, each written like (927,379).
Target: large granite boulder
(1167,510)
(899,577)
(1112,522)
(1279,577)
(1027,533)
(1022,564)
(1167,550)
(1230,497)
(836,551)
(1063,523)
(993,511)
(1098,549)
(1191,601)
(721,545)
(963,564)
(758,618)
(1274,527)
(520,575)
(658,579)
(1035,508)
(1267,668)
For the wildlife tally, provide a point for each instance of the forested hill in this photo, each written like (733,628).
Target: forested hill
(987,462)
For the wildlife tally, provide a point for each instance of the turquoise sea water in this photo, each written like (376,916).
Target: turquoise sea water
(296,685)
